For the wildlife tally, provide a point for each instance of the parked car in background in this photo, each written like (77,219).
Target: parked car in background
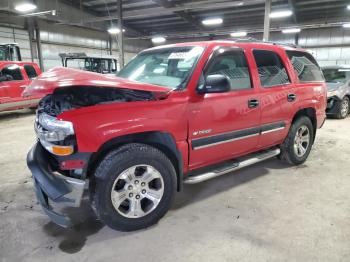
(14,78)
(338,90)
(10,52)
(182,113)
(102,65)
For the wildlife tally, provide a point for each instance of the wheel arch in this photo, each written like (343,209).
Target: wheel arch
(163,141)
(309,112)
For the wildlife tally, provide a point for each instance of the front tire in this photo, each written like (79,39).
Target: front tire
(297,146)
(343,109)
(133,187)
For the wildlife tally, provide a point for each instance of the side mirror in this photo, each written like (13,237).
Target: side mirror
(215,84)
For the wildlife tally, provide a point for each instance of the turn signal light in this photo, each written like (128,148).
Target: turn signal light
(62,150)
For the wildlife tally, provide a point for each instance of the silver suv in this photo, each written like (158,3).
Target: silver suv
(338,90)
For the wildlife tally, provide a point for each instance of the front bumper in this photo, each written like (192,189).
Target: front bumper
(52,186)
(333,104)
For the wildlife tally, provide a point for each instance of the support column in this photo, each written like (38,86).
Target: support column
(38,45)
(30,29)
(121,36)
(267,20)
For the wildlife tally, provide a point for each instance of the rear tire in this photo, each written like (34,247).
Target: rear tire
(297,146)
(133,187)
(343,109)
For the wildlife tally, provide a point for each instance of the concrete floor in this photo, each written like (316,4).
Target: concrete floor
(268,212)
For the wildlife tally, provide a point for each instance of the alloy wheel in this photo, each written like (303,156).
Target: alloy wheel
(301,141)
(137,191)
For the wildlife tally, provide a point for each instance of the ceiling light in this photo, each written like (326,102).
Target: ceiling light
(239,34)
(212,21)
(280,13)
(291,30)
(25,7)
(158,39)
(346,25)
(348,7)
(114,30)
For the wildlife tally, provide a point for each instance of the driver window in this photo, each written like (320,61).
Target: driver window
(13,73)
(232,64)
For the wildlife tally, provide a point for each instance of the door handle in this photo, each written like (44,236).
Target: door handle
(291,97)
(253,103)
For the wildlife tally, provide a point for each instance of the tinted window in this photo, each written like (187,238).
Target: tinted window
(31,73)
(271,69)
(305,66)
(13,72)
(232,64)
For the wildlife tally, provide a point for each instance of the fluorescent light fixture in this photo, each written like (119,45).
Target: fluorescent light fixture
(212,21)
(280,13)
(347,25)
(291,30)
(114,30)
(238,34)
(158,39)
(25,7)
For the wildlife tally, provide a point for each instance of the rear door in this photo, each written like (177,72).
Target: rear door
(275,88)
(225,125)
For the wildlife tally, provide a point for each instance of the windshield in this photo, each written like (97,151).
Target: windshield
(169,67)
(335,75)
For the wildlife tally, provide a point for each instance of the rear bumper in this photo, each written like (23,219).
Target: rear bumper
(51,186)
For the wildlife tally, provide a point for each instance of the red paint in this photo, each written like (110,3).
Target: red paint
(72,164)
(11,92)
(183,112)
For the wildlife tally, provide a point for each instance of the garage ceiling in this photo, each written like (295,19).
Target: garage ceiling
(180,17)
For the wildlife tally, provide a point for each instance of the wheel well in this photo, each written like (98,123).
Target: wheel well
(160,140)
(310,113)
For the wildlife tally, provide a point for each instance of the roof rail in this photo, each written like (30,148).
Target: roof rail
(254,40)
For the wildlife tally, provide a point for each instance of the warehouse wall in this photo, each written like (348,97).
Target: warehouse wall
(66,39)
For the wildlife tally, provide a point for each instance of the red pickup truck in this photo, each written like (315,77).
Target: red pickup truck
(14,78)
(182,113)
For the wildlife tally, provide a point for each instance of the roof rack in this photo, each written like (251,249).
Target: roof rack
(254,40)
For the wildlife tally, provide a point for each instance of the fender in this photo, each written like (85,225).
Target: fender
(163,141)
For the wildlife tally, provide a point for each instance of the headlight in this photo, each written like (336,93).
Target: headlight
(331,93)
(49,129)
(51,123)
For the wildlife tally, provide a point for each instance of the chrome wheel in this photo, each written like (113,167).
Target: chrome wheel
(344,108)
(301,141)
(137,191)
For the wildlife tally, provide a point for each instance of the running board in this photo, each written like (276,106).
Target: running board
(232,166)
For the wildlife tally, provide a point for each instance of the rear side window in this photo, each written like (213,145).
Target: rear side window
(271,69)
(305,66)
(30,70)
(233,65)
(13,72)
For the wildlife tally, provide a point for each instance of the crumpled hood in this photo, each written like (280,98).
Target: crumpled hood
(332,86)
(58,77)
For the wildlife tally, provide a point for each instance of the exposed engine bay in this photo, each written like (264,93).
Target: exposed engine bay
(67,98)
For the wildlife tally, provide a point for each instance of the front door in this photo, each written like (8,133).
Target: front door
(225,125)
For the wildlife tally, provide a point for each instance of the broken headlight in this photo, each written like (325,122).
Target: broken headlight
(51,130)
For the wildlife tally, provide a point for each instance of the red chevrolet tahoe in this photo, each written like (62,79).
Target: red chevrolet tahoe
(14,78)
(182,113)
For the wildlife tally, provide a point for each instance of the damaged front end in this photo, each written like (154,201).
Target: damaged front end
(67,98)
(58,169)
